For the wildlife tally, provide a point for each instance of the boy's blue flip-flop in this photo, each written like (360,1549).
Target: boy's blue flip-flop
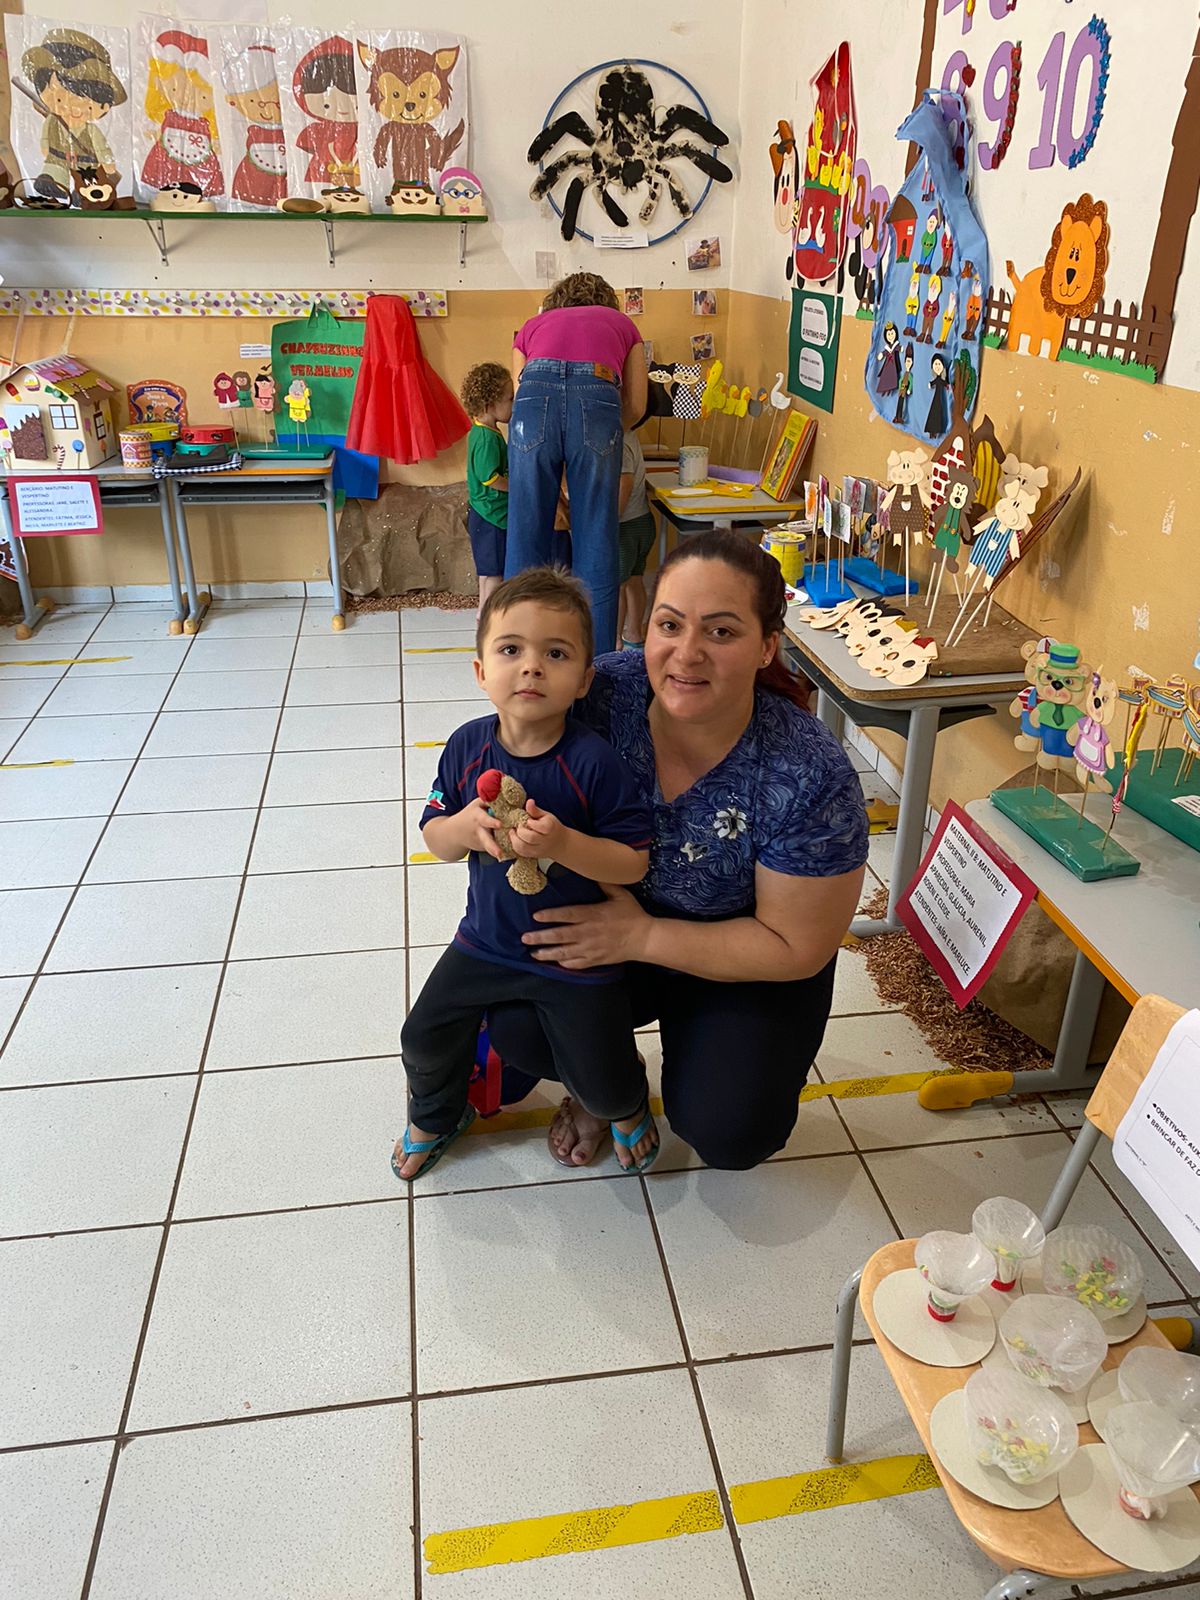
(630,1139)
(432,1149)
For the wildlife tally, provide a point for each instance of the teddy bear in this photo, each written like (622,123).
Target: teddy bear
(1062,681)
(505,799)
(1034,654)
(96,190)
(1090,738)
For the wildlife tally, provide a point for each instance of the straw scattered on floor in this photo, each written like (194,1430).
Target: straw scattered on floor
(974,1039)
(413,600)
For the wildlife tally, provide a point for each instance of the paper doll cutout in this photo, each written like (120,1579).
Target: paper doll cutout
(299,401)
(71,80)
(410,89)
(888,361)
(904,388)
(461,194)
(1090,738)
(324,87)
(180,111)
(938,418)
(264,390)
(252,91)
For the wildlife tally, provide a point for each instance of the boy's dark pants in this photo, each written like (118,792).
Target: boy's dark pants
(589,1027)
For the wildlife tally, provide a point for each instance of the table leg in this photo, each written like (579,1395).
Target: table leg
(198,600)
(33,611)
(335,576)
(831,714)
(921,739)
(839,1385)
(175,626)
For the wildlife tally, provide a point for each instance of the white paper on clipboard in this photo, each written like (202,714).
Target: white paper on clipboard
(1157,1145)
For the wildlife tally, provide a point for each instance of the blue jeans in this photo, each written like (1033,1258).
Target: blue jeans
(565,415)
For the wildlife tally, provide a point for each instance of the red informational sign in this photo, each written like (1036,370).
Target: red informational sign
(47,505)
(964,904)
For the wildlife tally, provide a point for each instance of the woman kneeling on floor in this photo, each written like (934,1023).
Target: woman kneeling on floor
(760,839)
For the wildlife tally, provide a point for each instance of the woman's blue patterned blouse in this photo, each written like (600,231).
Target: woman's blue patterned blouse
(786,795)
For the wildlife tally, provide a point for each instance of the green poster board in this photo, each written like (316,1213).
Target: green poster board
(326,353)
(813,335)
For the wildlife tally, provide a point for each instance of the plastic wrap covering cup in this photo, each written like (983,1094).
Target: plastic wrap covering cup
(1017,1426)
(1154,1454)
(1094,1267)
(1167,1378)
(1053,1342)
(1013,1234)
(955,1266)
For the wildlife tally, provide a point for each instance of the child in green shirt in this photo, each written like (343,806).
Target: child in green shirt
(487,396)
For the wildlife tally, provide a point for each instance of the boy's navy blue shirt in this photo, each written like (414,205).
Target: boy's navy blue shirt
(585,784)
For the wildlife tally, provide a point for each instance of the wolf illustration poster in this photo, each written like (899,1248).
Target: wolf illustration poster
(413,118)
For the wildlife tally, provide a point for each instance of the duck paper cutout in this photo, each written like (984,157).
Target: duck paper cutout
(929,321)
(826,168)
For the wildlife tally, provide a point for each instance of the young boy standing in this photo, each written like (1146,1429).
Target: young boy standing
(487,397)
(586,823)
(636,534)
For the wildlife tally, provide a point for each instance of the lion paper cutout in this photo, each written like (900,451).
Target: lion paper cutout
(1069,282)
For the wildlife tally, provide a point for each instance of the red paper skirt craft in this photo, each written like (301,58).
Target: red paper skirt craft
(401,408)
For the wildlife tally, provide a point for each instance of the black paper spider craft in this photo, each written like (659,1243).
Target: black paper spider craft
(632,144)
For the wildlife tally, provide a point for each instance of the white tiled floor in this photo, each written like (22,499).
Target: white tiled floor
(231,1345)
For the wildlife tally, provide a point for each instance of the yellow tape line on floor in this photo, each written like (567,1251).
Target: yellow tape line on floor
(850,1484)
(24,766)
(66,661)
(647,1521)
(842,1089)
(439,650)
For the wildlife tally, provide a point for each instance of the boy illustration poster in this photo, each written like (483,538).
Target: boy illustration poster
(70,114)
(417,94)
(180,111)
(320,115)
(252,93)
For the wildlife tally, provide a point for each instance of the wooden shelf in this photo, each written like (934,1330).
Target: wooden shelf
(157,221)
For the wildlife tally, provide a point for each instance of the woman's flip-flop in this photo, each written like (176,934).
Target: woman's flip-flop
(630,1139)
(561,1116)
(432,1149)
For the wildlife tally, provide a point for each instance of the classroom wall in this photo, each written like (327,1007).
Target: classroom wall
(288,543)
(1117,574)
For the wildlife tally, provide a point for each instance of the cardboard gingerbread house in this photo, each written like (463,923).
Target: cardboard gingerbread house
(56,416)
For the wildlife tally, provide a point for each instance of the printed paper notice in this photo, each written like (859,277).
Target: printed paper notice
(55,505)
(964,904)
(1157,1145)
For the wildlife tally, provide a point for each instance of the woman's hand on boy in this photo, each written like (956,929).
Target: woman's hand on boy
(541,836)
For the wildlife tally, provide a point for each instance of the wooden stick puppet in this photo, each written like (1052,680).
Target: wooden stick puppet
(1090,740)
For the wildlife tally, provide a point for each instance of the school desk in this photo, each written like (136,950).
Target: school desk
(119,486)
(1142,934)
(274,481)
(844,689)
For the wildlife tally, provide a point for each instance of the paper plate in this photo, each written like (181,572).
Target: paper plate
(951,1446)
(901,1309)
(1088,1486)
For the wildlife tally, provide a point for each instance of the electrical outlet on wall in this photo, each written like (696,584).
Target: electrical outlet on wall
(545,264)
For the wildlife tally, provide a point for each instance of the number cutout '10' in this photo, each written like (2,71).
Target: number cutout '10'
(1091,45)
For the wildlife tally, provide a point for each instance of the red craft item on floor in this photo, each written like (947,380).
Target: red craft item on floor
(401,408)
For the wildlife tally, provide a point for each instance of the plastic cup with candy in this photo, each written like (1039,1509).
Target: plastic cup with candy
(1168,1378)
(1154,1454)
(1094,1267)
(1053,1342)
(955,1266)
(1017,1426)
(1012,1233)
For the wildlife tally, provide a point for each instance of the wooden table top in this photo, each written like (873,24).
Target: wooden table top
(1041,1541)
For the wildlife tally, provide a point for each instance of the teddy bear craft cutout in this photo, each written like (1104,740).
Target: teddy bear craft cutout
(409,89)
(505,799)
(1054,703)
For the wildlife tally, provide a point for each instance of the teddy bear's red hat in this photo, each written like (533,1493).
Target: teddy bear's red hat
(487,785)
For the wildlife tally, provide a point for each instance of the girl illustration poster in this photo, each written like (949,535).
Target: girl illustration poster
(320,105)
(70,106)
(415,120)
(182,145)
(251,92)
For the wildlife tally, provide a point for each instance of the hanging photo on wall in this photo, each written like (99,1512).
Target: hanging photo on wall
(319,100)
(826,167)
(176,141)
(413,116)
(928,322)
(72,127)
(813,337)
(253,119)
